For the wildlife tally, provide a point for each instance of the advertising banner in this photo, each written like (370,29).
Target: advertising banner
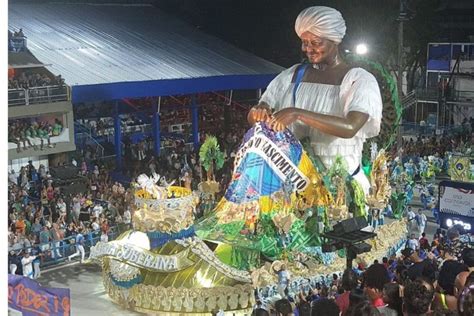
(29,297)
(457,201)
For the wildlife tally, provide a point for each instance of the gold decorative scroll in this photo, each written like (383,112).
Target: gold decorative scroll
(142,258)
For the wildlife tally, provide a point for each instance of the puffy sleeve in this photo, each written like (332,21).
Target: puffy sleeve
(360,92)
(274,95)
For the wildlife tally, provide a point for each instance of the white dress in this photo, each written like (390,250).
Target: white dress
(358,91)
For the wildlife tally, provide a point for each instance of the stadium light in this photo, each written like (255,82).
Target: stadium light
(361,49)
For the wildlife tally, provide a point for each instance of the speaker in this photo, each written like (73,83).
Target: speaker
(64,172)
(360,248)
(350,225)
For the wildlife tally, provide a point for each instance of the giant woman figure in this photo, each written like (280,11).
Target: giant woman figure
(338,107)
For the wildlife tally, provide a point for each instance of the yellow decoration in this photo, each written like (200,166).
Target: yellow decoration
(380,190)
(460,168)
(169,215)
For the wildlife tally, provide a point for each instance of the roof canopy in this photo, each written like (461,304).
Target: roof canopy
(23,60)
(108,52)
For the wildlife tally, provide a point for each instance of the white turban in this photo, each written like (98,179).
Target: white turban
(323,22)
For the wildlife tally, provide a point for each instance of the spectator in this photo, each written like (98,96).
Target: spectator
(454,243)
(57,235)
(76,207)
(20,225)
(14,262)
(127,216)
(57,128)
(44,238)
(104,231)
(417,266)
(95,225)
(26,262)
(356,296)
(79,241)
(36,263)
(385,262)
(391,297)
(424,243)
(417,298)
(348,283)
(260,312)
(375,278)
(62,208)
(36,227)
(365,308)
(466,298)
(325,307)
(50,192)
(283,307)
(413,242)
(467,256)
(444,296)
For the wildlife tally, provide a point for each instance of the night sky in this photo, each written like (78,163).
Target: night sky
(266,27)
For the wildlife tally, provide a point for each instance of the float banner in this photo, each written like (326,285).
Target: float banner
(279,162)
(142,258)
(30,298)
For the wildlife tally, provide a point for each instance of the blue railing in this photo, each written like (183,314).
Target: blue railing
(66,246)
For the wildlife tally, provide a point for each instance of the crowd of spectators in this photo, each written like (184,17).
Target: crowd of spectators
(177,153)
(104,126)
(45,219)
(29,87)
(448,143)
(31,79)
(25,131)
(173,112)
(435,278)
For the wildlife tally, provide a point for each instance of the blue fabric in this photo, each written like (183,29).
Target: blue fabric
(79,239)
(158,239)
(299,76)
(127,284)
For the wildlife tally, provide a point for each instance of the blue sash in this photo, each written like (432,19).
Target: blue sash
(299,76)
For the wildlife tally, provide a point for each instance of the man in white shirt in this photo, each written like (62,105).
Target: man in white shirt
(421,221)
(79,246)
(95,225)
(97,210)
(413,242)
(27,263)
(62,208)
(411,222)
(127,217)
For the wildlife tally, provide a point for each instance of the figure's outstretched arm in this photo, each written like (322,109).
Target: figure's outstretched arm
(344,127)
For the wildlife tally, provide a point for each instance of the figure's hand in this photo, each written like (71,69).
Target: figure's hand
(259,113)
(283,118)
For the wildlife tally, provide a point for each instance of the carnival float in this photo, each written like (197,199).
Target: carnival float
(267,226)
